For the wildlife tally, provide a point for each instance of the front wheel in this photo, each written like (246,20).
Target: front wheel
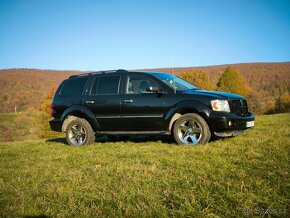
(191,129)
(79,132)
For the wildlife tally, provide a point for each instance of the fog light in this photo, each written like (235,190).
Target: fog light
(230,123)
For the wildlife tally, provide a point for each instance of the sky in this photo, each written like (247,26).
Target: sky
(139,34)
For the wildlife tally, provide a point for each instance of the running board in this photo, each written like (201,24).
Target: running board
(134,132)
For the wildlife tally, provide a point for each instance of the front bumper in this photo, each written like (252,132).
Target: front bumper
(228,122)
(55,125)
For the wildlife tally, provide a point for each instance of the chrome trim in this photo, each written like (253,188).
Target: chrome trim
(128,101)
(89,102)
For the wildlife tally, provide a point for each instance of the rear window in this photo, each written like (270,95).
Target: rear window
(106,85)
(73,87)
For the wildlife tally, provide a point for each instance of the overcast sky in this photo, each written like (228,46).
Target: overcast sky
(100,35)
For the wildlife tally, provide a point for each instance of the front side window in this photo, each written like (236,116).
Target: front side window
(106,85)
(139,84)
(73,87)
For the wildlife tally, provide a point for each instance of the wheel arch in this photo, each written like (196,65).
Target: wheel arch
(184,108)
(81,112)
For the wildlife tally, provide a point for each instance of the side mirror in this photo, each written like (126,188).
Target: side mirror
(154,89)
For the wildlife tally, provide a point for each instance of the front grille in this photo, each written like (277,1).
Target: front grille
(239,107)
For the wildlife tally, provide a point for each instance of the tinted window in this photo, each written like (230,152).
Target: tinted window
(106,85)
(73,87)
(138,84)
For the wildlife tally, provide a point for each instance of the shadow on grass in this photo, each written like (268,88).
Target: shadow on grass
(134,139)
(57,140)
(163,139)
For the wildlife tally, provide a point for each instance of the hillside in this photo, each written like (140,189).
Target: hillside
(24,88)
(245,176)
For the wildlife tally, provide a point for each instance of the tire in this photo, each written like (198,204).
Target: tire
(79,132)
(191,129)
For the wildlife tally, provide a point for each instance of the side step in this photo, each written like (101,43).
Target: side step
(134,132)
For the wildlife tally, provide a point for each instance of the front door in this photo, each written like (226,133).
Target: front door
(141,110)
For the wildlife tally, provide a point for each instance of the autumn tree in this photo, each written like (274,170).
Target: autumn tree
(44,108)
(46,101)
(232,81)
(198,78)
(254,104)
(282,105)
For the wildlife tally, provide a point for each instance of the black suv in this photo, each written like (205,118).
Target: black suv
(123,103)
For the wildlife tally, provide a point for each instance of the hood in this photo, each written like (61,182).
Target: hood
(214,94)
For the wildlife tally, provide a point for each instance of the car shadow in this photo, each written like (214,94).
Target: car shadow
(37,216)
(135,139)
(163,139)
(57,140)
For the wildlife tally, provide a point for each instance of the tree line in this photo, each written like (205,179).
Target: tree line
(232,81)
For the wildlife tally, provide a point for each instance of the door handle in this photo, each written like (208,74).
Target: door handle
(127,101)
(89,102)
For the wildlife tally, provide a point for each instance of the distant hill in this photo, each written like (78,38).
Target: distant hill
(24,88)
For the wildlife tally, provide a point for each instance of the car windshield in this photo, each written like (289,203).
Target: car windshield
(175,82)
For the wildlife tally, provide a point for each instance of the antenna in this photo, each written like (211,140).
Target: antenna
(172,71)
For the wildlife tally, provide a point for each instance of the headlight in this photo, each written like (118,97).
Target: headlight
(220,105)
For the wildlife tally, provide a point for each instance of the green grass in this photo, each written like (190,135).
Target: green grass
(6,125)
(242,176)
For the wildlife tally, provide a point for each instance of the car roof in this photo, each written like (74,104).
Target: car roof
(112,71)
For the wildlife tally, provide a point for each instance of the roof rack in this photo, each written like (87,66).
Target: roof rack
(99,72)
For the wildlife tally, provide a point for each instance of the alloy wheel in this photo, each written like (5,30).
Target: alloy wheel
(190,132)
(77,134)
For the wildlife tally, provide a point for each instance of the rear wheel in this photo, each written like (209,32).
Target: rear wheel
(79,132)
(191,129)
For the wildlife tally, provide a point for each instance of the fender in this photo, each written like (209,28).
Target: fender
(83,112)
(187,106)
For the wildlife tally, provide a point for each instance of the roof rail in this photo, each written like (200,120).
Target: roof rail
(99,72)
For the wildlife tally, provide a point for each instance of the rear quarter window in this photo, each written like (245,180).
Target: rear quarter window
(73,87)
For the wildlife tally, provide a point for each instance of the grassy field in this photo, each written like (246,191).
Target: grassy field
(237,177)
(6,125)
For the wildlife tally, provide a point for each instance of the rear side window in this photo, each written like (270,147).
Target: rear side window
(73,87)
(106,85)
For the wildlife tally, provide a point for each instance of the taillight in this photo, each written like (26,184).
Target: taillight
(51,110)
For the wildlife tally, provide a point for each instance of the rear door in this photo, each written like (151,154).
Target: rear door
(104,101)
